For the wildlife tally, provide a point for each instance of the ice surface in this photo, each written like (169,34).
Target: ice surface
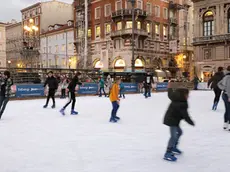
(34,139)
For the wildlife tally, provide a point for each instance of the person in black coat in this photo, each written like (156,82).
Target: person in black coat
(177,111)
(72,88)
(213,82)
(52,83)
(148,85)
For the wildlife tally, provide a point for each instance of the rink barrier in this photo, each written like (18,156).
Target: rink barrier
(37,90)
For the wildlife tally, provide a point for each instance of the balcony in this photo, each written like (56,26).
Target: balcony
(124,33)
(128,13)
(175,6)
(211,39)
(173,20)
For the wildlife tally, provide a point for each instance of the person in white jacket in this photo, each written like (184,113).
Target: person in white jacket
(224,85)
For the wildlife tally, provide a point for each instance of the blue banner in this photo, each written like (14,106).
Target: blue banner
(162,86)
(29,90)
(131,87)
(88,88)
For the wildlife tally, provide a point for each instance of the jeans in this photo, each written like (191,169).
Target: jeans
(72,99)
(122,93)
(148,91)
(115,109)
(175,133)
(63,93)
(217,92)
(100,91)
(51,94)
(227,108)
(195,86)
(3,102)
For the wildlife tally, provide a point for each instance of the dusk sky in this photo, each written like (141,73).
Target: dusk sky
(10,9)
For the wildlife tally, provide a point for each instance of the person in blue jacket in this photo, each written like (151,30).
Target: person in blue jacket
(122,90)
(102,87)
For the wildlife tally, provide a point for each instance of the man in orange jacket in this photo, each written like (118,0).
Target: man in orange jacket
(114,92)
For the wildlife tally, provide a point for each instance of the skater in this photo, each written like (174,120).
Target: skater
(196,81)
(115,101)
(6,83)
(72,98)
(122,90)
(224,85)
(102,87)
(148,85)
(178,110)
(52,83)
(213,82)
(64,85)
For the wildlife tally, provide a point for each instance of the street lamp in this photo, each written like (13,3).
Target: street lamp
(9,63)
(133,2)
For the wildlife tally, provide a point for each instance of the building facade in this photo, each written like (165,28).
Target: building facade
(212,36)
(57,46)
(109,30)
(14,44)
(2,44)
(35,21)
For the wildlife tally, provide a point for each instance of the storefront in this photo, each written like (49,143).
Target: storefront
(98,65)
(119,65)
(207,72)
(139,65)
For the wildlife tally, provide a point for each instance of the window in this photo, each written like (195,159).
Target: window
(44,49)
(149,8)
(98,31)
(165,30)
(208,23)
(63,36)
(98,13)
(139,4)
(148,27)
(107,29)
(128,5)
(229,21)
(50,49)
(157,11)
(107,10)
(119,26)
(28,14)
(157,29)
(165,14)
(70,46)
(118,5)
(119,44)
(56,49)
(138,25)
(89,33)
(50,62)
(129,25)
(63,48)
(39,10)
(34,12)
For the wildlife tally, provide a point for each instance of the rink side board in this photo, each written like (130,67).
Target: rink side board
(32,90)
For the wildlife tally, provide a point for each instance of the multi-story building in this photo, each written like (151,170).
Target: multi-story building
(2,44)
(14,44)
(212,36)
(110,33)
(57,46)
(35,20)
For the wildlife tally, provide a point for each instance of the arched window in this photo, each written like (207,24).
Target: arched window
(228,20)
(208,21)
(98,65)
(139,63)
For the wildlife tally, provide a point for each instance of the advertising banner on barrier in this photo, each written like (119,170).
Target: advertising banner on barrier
(131,87)
(88,88)
(29,90)
(162,86)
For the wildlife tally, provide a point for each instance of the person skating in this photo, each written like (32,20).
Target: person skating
(6,83)
(72,88)
(148,85)
(122,90)
(52,83)
(102,87)
(196,81)
(115,101)
(178,110)
(213,82)
(64,85)
(224,85)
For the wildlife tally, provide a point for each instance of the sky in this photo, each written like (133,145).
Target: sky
(10,9)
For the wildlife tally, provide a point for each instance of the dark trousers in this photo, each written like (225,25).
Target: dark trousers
(148,91)
(100,91)
(217,92)
(72,99)
(3,102)
(227,108)
(51,94)
(63,93)
(175,133)
(122,93)
(115,109)
(195,86)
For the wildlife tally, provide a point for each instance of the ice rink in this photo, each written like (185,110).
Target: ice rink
(33,139)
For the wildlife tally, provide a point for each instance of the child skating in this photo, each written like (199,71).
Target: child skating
(114,92)
(71,94)
(178,110)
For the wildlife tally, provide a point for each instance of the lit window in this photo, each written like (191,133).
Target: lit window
(119,26)
(98,31)
(56,49)
(208,23)
(89,33)
(148,27)
(129,25)
(157,29)
(63,48)
(138,25)
(107,28)
(165,30)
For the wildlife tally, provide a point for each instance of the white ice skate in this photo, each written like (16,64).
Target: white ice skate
(226,126)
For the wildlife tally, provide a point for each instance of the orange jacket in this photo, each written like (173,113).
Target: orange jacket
(114,93)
